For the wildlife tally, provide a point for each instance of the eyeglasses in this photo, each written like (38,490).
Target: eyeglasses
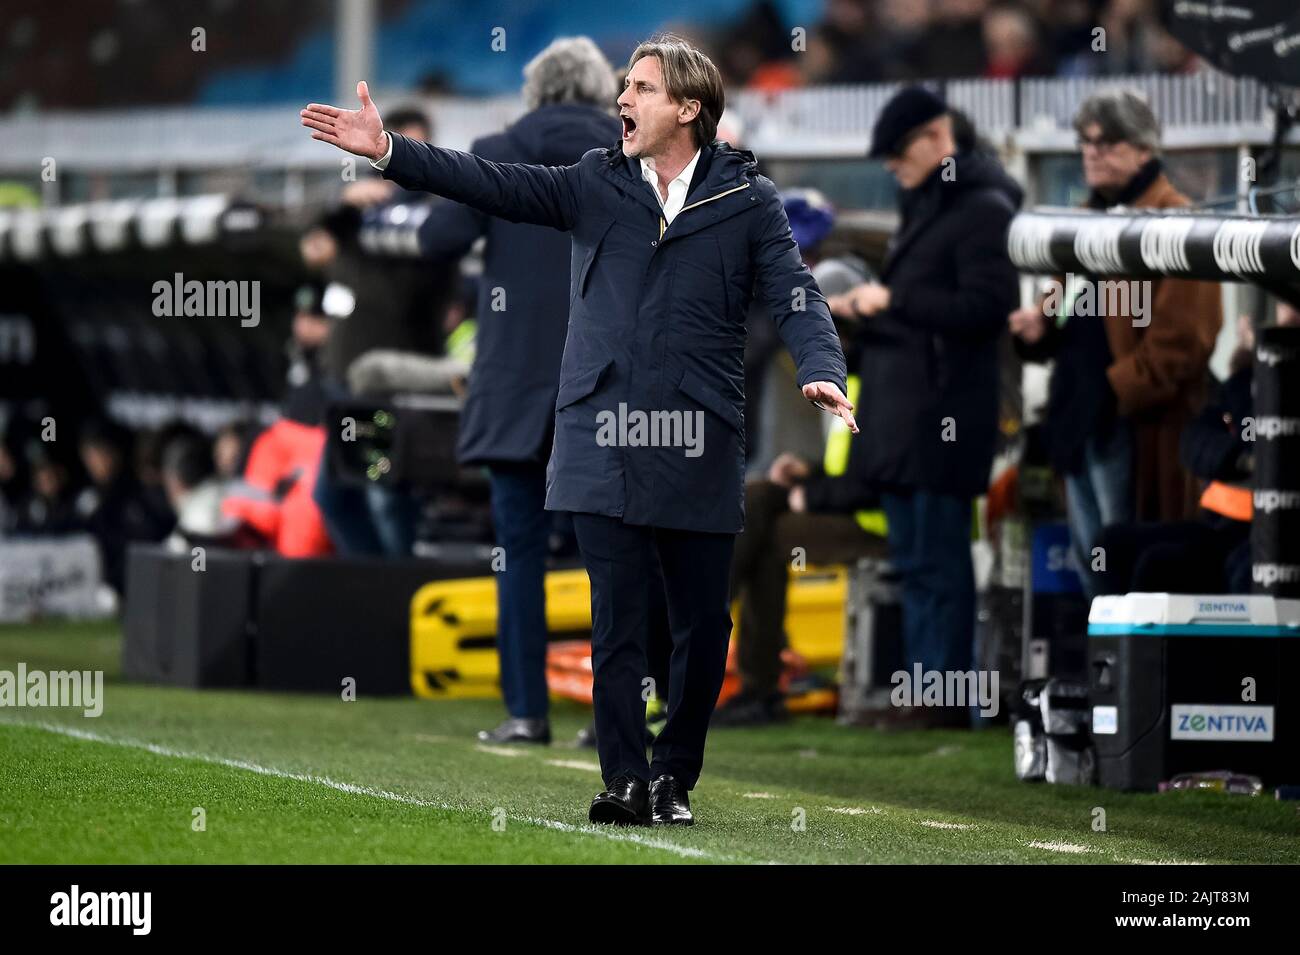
(1100,143)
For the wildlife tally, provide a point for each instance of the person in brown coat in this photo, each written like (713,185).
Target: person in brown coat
(1127,378)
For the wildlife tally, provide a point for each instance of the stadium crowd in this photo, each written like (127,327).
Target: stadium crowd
(99,59)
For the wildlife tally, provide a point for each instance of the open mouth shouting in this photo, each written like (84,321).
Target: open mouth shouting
(629,128)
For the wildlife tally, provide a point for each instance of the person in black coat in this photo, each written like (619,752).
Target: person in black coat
(930,332)
(114,508)
(673,234)
(522,318)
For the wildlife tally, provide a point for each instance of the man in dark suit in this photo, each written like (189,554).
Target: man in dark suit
(673,234)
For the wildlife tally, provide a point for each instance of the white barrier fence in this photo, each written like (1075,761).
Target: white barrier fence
(814,122)
(50,577)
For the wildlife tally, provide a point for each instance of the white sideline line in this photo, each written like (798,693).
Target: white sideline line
(689,852)
(500,750)
(1069,847)
(936,824)
(573,764)
(1161,862)
(856,810)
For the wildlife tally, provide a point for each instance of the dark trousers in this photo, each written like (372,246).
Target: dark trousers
(522,529)
(929,546)
(649,584)
(761,571)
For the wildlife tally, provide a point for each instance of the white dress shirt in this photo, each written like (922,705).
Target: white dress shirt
(382,162)
(676,189)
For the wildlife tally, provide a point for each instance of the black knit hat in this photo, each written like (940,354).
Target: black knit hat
(910,107)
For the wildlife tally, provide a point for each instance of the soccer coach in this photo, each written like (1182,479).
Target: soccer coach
(673,234)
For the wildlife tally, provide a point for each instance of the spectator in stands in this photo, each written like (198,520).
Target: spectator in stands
(50,505)
(755,49)
(1124,385)
(114,508)
(309,333)
(319,247)
(1134,40)
(230,450)
(839,48)
(10,489)
(1012,40)
(930,334)
(954,42)
(146,463)
(523,313)
(900,41)
(826,509)
(195,493)
(855,41)
(1068,28)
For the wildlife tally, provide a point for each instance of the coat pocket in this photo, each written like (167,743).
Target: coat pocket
(694,387)
(580,282)
(579,386)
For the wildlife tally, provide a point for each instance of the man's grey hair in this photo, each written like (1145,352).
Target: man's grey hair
(570,70)
(1124,117)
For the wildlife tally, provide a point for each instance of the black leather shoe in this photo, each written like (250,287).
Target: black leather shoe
(518,731)
(669,804)
(624,802)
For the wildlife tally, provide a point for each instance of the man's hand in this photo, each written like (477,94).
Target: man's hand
(869,299)
(358,131)
(1027,324)
(829,398)
(797,500)
(788,469)
(841,306)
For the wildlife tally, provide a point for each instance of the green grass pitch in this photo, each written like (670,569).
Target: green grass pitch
(314,779)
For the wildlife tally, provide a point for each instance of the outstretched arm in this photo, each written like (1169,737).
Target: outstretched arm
(542,195)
